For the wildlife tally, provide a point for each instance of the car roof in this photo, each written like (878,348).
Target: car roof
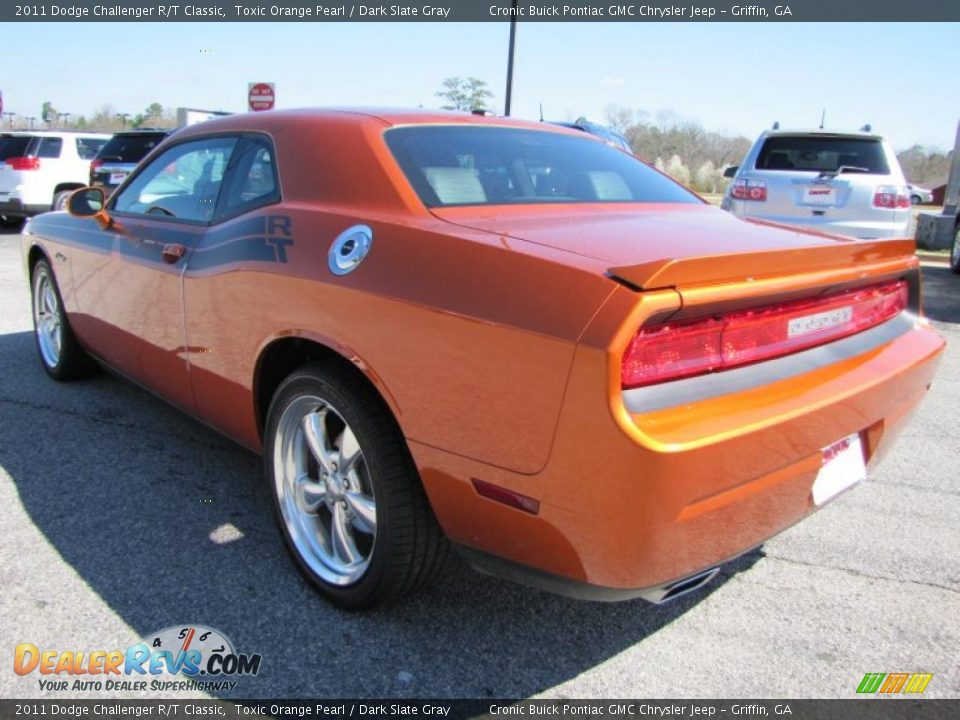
(385,116)
(145,131)
(822,132)
(54,132)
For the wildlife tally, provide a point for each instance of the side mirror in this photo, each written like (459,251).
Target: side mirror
(731,171)
(90,202)
(86,202)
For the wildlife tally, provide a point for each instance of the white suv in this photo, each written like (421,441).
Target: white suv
(38,170)
(848,183)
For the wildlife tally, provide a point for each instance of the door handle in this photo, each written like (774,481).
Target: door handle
(173,252)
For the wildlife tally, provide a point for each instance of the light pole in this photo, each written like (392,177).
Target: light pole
(123,118)
(62,118)
(513,39)
(10,116)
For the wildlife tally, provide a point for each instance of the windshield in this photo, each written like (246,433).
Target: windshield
(129,148)
(823,153)
(454,165)
(14,146)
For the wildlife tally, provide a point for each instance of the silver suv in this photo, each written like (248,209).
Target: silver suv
(848,183)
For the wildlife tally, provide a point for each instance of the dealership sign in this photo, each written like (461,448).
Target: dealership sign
(260,96)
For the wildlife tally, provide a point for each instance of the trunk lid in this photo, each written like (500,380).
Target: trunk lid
(658,246)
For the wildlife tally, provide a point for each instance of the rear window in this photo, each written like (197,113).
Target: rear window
(450,165)
(823,153)
(129,148)
(14,146)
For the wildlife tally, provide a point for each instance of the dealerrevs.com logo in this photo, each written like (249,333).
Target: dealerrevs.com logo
(191,657)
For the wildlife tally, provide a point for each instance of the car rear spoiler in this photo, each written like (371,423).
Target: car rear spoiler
(710,269)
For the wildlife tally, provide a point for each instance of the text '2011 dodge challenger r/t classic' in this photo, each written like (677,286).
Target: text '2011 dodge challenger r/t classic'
(506,337)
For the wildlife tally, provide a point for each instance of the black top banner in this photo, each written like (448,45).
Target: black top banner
(480,11)
(432,709)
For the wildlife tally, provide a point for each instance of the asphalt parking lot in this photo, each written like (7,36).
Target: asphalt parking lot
(119,517)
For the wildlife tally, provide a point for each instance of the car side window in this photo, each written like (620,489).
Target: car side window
(50,147)
(184,182)
(252,179)
(87,148)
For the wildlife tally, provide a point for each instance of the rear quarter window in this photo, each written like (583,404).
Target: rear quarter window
(823,154)
(50,147)
(129,148)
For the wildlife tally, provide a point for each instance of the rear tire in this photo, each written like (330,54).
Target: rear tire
(955,252)
(345,491)
(60,353)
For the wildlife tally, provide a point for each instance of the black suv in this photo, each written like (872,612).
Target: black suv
(601,131)
(120,156)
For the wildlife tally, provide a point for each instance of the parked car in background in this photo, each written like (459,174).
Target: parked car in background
(441,329)
(919,195)
(601,131)
(842,182)
(120,156)
(955,252)
(39,170)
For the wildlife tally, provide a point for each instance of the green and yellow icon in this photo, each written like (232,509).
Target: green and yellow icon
(893,683)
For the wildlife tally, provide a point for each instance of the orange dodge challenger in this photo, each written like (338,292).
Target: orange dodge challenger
(442,329)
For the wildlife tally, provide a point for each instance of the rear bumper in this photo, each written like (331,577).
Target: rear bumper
(630,502)
(15,207)
(893,227)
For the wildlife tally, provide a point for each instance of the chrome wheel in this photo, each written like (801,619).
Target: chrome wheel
(324,490)
(46,316)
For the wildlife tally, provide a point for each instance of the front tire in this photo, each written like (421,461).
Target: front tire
(60,352)
(61,199)
(345,491)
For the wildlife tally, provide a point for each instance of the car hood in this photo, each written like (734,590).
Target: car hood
(665,245)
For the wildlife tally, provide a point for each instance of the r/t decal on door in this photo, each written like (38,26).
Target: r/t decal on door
(267,238)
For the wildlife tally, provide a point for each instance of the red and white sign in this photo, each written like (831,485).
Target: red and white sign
(260,96)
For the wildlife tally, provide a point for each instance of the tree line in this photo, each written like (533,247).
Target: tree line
(697,157)
(678,146)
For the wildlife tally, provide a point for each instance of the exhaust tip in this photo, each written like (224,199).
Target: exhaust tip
(680,587)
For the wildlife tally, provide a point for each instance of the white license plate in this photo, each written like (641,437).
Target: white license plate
(117,178)
(842,467)
(819,195)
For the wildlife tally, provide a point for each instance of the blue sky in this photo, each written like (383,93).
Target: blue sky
(730,77)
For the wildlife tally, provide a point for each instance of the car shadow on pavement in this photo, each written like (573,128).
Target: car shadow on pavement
(168,523)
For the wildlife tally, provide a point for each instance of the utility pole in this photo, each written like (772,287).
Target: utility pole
(513,39)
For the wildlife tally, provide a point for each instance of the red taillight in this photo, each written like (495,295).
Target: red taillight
(24,163)
(95,165)
(891,197)
(670,352)
(749,190)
